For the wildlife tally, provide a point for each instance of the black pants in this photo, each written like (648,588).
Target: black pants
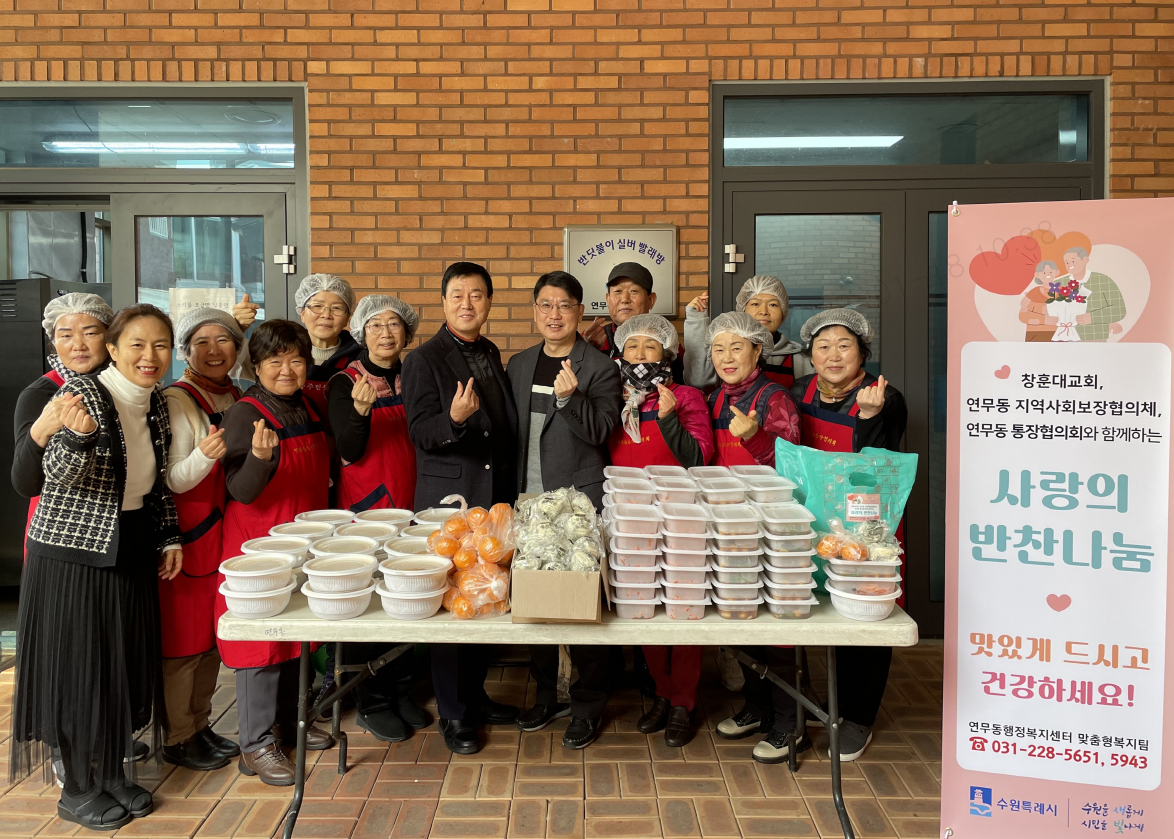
(766,700)
(266,696)
(862,673)
(390,683)
(458,680)
(588,693)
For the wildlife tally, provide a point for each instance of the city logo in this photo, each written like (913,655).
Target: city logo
(980,801)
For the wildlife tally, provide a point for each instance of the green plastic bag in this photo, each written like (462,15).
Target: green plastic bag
(826,478)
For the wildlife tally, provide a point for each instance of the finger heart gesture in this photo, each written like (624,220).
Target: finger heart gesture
(743,426)
(871,399)
(213,446)
(75,417)
(667,403)
(264,441)
(566,382)
(465,403)
(363,394)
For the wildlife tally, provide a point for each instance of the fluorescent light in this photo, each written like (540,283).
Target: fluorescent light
(164,147)
(272,148)
(863,141)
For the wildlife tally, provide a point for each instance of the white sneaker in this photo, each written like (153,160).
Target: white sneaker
(743,724)
(854,739)
(776,749)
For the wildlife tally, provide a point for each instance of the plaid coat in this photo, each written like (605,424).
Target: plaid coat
(77,517)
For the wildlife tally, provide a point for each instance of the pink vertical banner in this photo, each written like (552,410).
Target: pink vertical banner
(1057,672)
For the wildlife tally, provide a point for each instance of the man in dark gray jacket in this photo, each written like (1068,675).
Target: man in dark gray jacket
(568,399)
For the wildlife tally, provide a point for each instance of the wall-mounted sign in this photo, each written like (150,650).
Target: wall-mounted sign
(591,251)
(180,300)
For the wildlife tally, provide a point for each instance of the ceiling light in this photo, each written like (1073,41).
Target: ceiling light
(164,147)
(863,141)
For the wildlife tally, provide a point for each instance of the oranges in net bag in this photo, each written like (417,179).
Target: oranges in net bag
(480,540)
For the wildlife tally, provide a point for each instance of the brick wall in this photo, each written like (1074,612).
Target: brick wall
(446,129)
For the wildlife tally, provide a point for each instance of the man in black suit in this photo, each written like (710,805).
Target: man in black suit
(463,423)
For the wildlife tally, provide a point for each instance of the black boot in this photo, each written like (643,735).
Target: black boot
(96,810)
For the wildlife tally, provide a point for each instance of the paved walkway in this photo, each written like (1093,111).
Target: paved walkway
(529,787)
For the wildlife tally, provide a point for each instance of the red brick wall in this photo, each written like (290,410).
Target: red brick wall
(475,129)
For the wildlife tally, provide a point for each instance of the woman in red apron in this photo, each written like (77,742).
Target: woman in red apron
(276,466)
(378,470)
(210,340)
(845,409)
(661,424)
(324,302)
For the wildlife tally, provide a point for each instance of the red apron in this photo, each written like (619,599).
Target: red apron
(727,449)
(386,474)
(831,431)
(652,450)
(783,374)
(318,379)
(187,604)
(298,485)
(56,379)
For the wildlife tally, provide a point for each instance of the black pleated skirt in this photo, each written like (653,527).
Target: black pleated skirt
(88,671)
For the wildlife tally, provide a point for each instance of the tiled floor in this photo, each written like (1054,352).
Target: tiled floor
(528,786)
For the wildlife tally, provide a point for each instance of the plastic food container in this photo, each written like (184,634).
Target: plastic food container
(737,576)
(675,490)
(686,610)
(749,542)
(344,545)
(736,592)
(333,517)
(257,571)
(415,573)
(737,610)
(674,574)
(409,605)
(666,472)
(787,559)
(800,592)
(689,519)
(434,515)
(698,473)
(863,607)
(786,519)
(790,576)
(685,559)
(685,591)
(736,559)
(630,490)
(628,542)
(256,604)
(379,531)
(792,609)
(296,546)
(339,573)
(735,520)
(753,471)
(634,559)
(634,576)
(683,541)
(420,531)
(636,609)
(406,546)
(873,586)
(387,515)
(722,490)
(629,591)
(772,490)
(611,472)
(869,568)
(337,605)
(636,518)
(789,544)
(312,530)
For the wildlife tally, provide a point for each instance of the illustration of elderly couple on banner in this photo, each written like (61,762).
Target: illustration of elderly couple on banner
(1058,520)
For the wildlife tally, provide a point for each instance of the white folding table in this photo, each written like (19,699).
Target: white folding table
(825,628)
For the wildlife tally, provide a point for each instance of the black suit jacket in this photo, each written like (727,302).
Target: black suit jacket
(453,458)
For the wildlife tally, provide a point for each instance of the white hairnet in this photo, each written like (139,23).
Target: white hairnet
(738,323)
(311,285)
(849,318)
(374,304)
(76,303)
(762,284)
(650,326)
(190,322)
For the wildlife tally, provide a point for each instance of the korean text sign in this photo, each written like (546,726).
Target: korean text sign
(1061,321)
(591,251)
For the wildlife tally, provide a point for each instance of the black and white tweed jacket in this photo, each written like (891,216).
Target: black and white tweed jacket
(77,517)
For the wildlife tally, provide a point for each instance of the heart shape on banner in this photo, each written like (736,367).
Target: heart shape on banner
(1010,270)
(1059,602)
(1003,372)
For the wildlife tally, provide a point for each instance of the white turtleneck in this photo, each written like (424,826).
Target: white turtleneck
(133,403)
(322,354)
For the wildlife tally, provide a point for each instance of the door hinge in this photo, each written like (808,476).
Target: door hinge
(733,258)
(287,259)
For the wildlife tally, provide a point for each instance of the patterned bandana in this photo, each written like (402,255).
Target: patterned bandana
(640,380)
(208,385)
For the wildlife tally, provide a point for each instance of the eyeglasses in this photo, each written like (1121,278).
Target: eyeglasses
(322,308)
(565,307)
(380,328)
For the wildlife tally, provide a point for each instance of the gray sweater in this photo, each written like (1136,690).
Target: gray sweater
(699,372)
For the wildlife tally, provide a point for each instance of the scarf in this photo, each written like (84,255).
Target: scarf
(829,394)
(208,385)
(640,381)
(64,372)
(386,381)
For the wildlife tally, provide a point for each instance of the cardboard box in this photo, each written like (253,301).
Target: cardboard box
(556,597)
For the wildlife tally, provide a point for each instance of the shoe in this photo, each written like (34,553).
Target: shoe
(733,678)
(776,748)
(679,730)
(96,810)
(854,739)
(412,714)
(741,725)
(268,763)
(140,752)
(384,725)
(317,740)
(581,733)
(196,754)
(654,718)
(539,716)
(134,799)
(498,714)
(217,743)
(459,736)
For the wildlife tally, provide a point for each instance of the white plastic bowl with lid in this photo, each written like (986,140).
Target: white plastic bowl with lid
(312,530)
(340,572)
(863,607)
(736,576)
(787,544)
(634,542)
(688,519)
(698,473)
(772,490)
(686,559)
(634,559)
(421,531)
(337,605)
(610,472)
(434,515)
(721,491)
(786,519)
(666,472)
(253,605)
(734,519)
(747,591)
(296,546)
(799,592)
(686,610)
(258,572)
(415,573)
(630,490)
(675,490)
(788,559)
(334,517)
(684,591)
(633,576)
(635,518)
(675,574)
(867,568)
(684,541)
(377,530)
(743,542)
(755,470)
(636,609)
(736,559)
(387,515)
(790,576)
(874,586)
(790,609)
(633,591)
(409,605)
(344,545)
(739,610)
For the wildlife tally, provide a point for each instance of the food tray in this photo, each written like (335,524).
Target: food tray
(634,559)
(627,591)
(788,544)
(675,574)
(721,491)
(684,541)
(686,559)
(790,609)
(872,586)
(772,490)
(736,576)
(786,519)
(698,473)
(789,576)
(634,576)
(736,559)
(787,559)
(636,609)
(610,472)
(686,610)
(675,490)
(747,542)
(799,592)
(744,610)
(636,518)
(666,472)
(629,542)
(734,520)
(736,592)
(684,591)
(630,490)
(753,471)
(688,519)
(869,568)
